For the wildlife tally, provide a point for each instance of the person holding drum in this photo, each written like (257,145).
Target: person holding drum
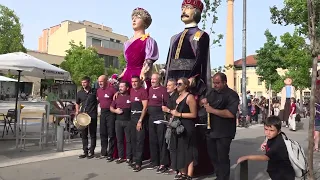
(86,106)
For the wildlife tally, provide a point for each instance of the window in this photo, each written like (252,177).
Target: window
(307,94)
(96,42)
(111,61)
(259,94)
(247,81)
(112,40)
(117,41)
(259,81)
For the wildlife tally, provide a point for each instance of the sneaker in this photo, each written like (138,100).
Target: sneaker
(137,168)
(152,167)
(110,159)
(120,160)
(161,169)
(82,156)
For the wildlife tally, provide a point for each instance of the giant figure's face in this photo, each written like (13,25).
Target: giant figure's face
(288,81)
(137,23)
(187,15)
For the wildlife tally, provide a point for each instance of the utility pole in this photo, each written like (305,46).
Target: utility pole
(244,61)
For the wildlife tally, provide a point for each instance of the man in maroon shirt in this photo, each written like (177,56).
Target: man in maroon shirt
(139,102)
(107,119)
(121,106)
(158,149)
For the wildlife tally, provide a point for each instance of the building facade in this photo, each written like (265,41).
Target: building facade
(109,45)
(254,83)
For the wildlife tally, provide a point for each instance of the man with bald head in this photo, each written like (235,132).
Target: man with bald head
(158,95)
(107,118)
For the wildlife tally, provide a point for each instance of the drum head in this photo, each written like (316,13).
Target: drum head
(83,119)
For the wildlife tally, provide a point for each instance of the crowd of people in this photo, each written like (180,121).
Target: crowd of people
(161,121)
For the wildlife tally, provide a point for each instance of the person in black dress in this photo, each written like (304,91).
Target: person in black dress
(183,143)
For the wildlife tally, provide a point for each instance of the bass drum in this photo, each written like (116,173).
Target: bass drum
(81,121)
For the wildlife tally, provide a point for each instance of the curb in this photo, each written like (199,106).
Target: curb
(44,157)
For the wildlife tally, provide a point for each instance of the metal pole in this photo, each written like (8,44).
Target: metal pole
(244,63)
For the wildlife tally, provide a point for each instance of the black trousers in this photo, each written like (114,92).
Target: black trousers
(218,149)
(158,148)
(107,132)
(92,129)
(123,128)
(285,113)
(137,139)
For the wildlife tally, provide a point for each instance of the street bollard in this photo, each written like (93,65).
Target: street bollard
(60,138)
(241,171)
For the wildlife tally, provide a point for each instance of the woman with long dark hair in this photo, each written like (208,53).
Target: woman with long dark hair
(183,143)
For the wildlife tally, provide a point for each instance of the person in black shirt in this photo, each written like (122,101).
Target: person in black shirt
(87,103)
(279,165)
(222,104)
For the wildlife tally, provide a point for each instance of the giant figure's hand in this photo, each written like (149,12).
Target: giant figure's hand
(142,76)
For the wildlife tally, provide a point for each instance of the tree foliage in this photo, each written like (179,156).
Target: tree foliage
(11,38)
(81,61)
(122,61)
(305,16)
(268,61)
(210,13)
(292,55)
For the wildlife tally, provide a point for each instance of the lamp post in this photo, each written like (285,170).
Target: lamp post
(244,62)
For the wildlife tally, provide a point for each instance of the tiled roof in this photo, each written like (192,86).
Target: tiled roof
(251,61)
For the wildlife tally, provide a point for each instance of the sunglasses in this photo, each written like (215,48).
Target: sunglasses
(180,84)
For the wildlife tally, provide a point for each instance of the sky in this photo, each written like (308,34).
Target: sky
(36,15)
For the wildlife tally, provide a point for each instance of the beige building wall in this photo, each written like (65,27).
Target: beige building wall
(55,40)
(257,87)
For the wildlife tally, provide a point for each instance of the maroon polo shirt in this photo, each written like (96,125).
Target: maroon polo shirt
(105,96)
(136,98)
(157,95)
(123,102)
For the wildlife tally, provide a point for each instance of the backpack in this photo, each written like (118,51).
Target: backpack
(296,155)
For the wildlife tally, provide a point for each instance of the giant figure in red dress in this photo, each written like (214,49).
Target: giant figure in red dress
(189,57)
(140,52)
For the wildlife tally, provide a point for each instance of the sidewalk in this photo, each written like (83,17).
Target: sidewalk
(48,164)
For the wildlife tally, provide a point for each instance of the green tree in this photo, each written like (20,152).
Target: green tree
(210,15)
(81,61)
(268,61)
(122,62)
(11,38)
(297,59)
(305,16)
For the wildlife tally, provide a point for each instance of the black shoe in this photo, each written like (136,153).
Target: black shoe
(120,160)
(83,156)
(129,162)
(133,165)
(90,155)
(178,176)
(161,170)
(152,167)
(137,168)
(110,159)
